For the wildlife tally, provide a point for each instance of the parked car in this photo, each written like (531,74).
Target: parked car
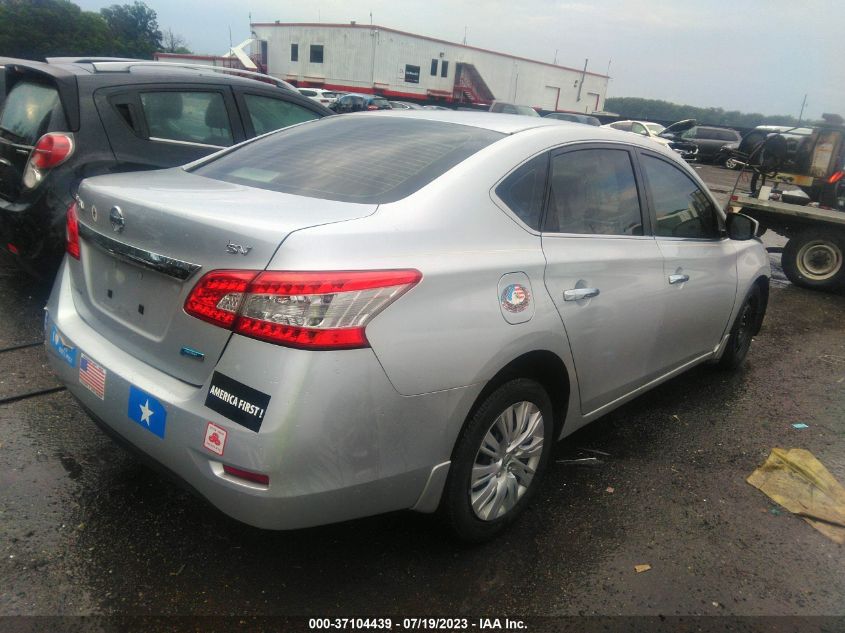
(648,129)
(354,102)
(333,353)
(435,107)
(504,107)
(710,140)
(66,120)
(575,118)
(323,97)
(404,105)
(674,133)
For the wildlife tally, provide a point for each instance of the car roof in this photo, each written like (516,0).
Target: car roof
(494,121)
(115,70)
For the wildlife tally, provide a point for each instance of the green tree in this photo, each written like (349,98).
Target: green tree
(35,29)
(655,109)
(135,29)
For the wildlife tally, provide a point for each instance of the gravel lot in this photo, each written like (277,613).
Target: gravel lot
(86,529)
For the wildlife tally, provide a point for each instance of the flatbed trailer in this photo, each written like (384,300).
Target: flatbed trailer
(814,254)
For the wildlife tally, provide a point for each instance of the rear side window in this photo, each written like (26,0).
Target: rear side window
(593,191)
(28,112)
(374,159)
(524,190)
(268,114)
(191,117)
(681,207)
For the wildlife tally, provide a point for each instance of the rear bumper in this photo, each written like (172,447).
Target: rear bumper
(337,440)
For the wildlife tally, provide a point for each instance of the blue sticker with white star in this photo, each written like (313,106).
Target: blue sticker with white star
(146,411)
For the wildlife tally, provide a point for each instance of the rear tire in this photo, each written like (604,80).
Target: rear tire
(815,259)
(498,461)
(731,163)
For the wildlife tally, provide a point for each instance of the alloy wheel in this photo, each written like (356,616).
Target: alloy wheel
(506,461)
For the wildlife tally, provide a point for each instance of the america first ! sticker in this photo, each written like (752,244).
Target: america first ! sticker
(237,401)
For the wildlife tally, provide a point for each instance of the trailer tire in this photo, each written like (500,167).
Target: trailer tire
(815,259)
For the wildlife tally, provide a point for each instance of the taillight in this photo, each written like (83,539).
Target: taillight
(218,296)
(308,310)
(372,107)
(50,151)
(835,177)
(72,232)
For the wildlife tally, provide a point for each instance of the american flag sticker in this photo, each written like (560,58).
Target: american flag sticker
(93,377)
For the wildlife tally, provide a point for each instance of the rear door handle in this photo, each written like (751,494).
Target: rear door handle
(678,279)
(576,294)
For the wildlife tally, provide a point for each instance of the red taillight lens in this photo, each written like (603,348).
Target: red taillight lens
(835,177)
(309,310)
(372,107)
(72,232)
(218,296)
(257,478)
(50,151)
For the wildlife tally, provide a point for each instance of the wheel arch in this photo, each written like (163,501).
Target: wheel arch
(762,282)
(543,366)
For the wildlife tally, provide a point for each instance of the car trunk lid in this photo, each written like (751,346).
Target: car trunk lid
(147,239)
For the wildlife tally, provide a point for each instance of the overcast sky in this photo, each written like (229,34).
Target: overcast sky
(749,55)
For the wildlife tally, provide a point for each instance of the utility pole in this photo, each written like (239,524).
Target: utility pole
(581,83)
(465,35)
(801,115)
(555,61)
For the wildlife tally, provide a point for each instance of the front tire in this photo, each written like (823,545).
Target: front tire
(814,259)
(498,461)
(731,163)
(745,327)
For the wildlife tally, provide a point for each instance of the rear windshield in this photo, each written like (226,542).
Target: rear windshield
(27,112)
(374,159)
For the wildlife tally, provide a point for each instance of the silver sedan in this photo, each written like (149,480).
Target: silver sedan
(412,324)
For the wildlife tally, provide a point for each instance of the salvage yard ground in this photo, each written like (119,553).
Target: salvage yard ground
(86,529)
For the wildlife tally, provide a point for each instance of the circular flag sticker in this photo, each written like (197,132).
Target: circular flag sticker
(515,298)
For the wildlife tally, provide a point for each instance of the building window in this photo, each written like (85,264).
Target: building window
(434,68)
(294,52)
(316,53)
(444,69)
(412,74)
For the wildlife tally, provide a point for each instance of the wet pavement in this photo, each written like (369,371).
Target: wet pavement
(86,529)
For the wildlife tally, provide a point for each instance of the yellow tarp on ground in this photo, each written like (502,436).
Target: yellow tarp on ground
(799,482)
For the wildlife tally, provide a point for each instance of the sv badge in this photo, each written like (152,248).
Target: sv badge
(236,249)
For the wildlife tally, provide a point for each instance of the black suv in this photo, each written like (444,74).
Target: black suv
(68,119)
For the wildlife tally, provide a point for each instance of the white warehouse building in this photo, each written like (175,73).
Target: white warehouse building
(374,59)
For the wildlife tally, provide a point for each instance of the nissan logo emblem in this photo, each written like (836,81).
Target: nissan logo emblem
(116,219)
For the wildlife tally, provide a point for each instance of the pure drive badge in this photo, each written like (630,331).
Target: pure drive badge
(237,401)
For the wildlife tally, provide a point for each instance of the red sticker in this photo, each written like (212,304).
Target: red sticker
(215,438)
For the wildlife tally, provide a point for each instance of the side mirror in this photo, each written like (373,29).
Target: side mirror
(741,227)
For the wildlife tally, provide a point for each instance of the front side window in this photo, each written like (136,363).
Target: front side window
(525,189)
(294,52)
(593,191)
(268,114)
(28,111)
(681,207)
(192,117)
(624,127)
(374,159)
(316,53)
(639,128)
